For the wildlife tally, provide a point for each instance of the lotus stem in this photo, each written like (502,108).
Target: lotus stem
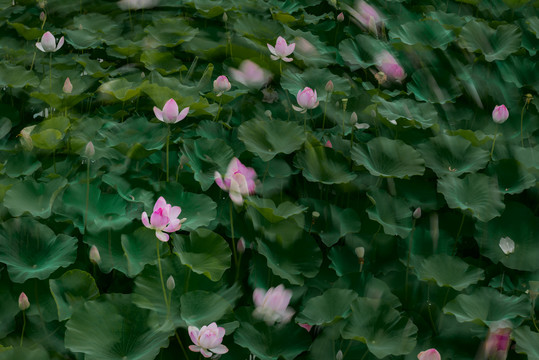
(181,345)
(411,243)
(168,140)
(23,326)
(458,234)
(494,142)
(218,109)
(161,277)
(87,193)
(233,241)
(50,71)
(325,109)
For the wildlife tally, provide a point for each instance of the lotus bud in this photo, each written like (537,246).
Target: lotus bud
(268,114)
(353,118)
(340,17)
(171,284)
(42,16)
(507,245)
(500,114)
(328,144)
(89,152)
(23,301)
(534,290)
(241,245)
(417,213)
(339,355)
(360,252)
(329,86)
(68,88)
(94,256)
(381,77)
(225,17)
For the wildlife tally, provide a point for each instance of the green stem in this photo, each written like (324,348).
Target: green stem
(458,233)
(50,72)
(181,345)
(305,122)
(494,142)
(23,326)
(281,68)
(218,109)
(233,241)
(325,109)
(87,193)
(186,286)
(161,277)
(54,160)
(411,243)
(168,141)
(522,123)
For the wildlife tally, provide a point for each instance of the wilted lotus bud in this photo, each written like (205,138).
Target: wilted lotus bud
(171,284)
(328,144)
(507,245)
(26,139)
(241,245)
(381,77)
(329,86)
(417,213)
(23,301)
(353,118)
(340,17)
(225,17)
(94,256)
(339,355)
(42,16)
(90,150)
(68,88)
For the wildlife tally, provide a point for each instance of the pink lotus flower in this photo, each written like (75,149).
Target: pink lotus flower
(497,344)
(250,74)
(272,306)
(239,181)
(164,218)
(368,16)
(68,88)
(23,301)
(387,64)
(306,326)
(221,84)
(170,114)
(500,114)
(328,144)
(307,99)
(430,354)
(207,340)
(281,50)
(48,43)
(340,17)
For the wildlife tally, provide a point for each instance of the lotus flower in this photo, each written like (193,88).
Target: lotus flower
(239,181)
(221,84)
(250,75)
(207,340)
(497,344)
(307,99)
(306,326)
(23,302)
(48,43)
(281,50)
(272,305)
(164,218)
(340,17)
(368,16)
(137,4)
(389,66)
(430,354)
(500,114)
(95,257)
(507,245)
(170,114)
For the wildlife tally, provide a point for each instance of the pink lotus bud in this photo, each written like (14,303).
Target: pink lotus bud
(42,16)
(171,284)
(281,50)
(328,144)
(329,86)
(306,326)
(340,17)
(68,88)
(23,302)
(89,151)
(221,84)
(241,245)
(417,213)
(307,99)
(388,65)
(207,340)
(94,256)
(430,354)
(500,114)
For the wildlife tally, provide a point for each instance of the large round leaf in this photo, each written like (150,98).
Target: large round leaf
(125,330)
(267,138)
(434,86)
(449,271)
(389,158)
(423,113)
(452,155)
(332,305)
(26,353)
(199,308)
(71,290)
(392,213)
(8,304)
(494,44)
(380,327)
(489,306)
(513,178)
(32,250)
(425,32)
(527,342)
(475,192)
(325,165)
(314,78)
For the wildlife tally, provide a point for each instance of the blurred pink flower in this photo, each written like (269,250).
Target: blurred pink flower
(329,86)
(430,354)
(497,344)
(207,340)
(340,17)
(23,301)
(241,245)
(250,74)
(328,144)
(170,114)
(281,50)
(48,43)
(68,87)
(239,181)
(307,99)
(221,84)
(387,64)
(500,114)
(137,4)
(306,326)
(368,16)
(272,306)
(164,218)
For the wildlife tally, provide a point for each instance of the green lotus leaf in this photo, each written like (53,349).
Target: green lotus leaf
(518,223)
(295,262)
(275,214)
(60,102)
(26,32)
(267,221)
(47,139)
(25,163)
(448,270)
(392,213)
(332,305)
(494,44)
(527,342)
(17,77)
(254,27)
(452,155)
(139,250)
(488,305)
(8,304)
(270,342)
(211,8)
(527,156)
(314,78)
(33,197)
(32,250)
(389,158)
(121,89)
(82,39)
(475,192)
(434,86)
(334,222)
(267,138)
(359,53)
(423,113)
(205,252)
(513,178)
(343,260)
(26,353)
(111,251)
(162,61)
(200,308)
(380,327)
(520,71)
(171,31)
(72,289)
(324,165)
(125,330)
(427,32)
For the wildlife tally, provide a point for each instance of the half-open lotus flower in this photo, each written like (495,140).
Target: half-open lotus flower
(170,114)
(239,181)
(307,99)
(368,16)
(48,43)
(387,64)
(207,340)
(281,50)
(272,305)
(430,354)
(164,219)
